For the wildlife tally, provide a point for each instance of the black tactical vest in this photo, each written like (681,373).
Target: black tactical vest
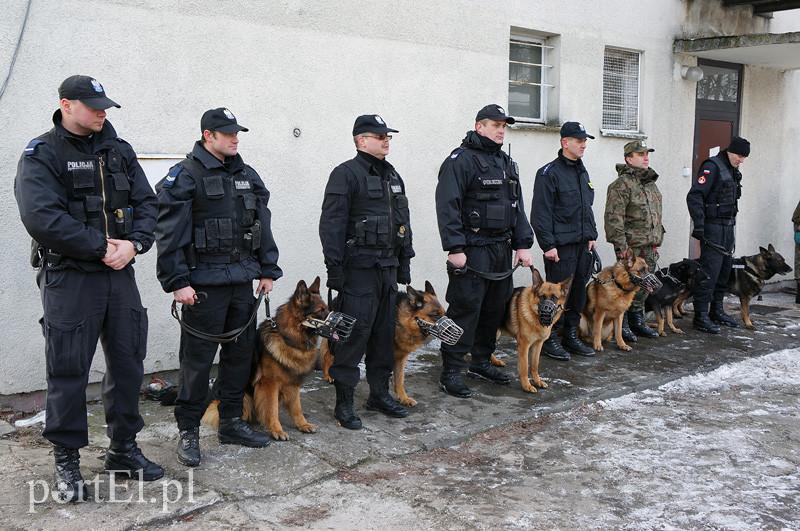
(225,221)
(490,201)
(98,190)
(379,216)
(721,203)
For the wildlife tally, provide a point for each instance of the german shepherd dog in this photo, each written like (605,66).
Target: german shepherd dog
(749,274)
(609,295)
(676,279)
(531,314)
(412,306)
(286,354)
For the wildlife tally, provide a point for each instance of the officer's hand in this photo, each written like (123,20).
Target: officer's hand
(264,286)
(551,255)
(122,256)
(110,250)
(698,234)
(524,256)
(335,278)
(185,295)
(592,244)
(459,260)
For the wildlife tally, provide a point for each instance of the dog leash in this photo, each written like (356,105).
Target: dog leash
(224,337)
(488,276)
(718,248)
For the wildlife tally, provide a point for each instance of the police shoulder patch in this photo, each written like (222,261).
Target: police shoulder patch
(30,149)
(456,152)
(547,168)
(173,173)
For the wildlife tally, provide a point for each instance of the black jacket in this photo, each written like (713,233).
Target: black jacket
(49,189)
(715,192)
(189,201)
(563,195)
(365,219)
(462,186)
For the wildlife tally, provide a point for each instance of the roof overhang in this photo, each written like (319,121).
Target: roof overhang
(765,6)
(775,50)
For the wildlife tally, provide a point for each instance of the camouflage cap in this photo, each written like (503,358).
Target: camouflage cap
(637,146)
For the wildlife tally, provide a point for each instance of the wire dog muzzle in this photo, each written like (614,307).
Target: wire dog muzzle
(336,327)
(444,329)
(547,311)
(650,282)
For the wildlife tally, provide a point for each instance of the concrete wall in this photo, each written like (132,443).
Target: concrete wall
(280,65)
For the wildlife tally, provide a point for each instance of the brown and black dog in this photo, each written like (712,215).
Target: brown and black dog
(287,353)
(529,320)
(609,295)
(677,279)
(408,335)
(749,274)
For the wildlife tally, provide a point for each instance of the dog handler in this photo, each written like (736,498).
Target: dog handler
(713,202)
(366,241)
(214,236)
(86,202)
(481,218)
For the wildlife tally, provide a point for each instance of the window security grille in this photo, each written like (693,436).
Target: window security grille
(621,90)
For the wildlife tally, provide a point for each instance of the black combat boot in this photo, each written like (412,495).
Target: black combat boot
(484,369)
(125,457)
(189,447)
(627,333)
(69,485)
(381,400)
(718,315)
(573,344)
(703,323)
(234,430)
(638,325)
(343,412)
(552,348)
(452,382)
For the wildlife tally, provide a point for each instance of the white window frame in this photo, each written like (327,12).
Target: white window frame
(638,127)
(546,69)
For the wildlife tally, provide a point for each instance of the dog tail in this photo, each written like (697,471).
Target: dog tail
(211,416)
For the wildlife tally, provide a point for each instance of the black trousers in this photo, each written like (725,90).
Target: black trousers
(79,309)
(225,308)
(478,305)
(369,295)
(716,265)
(574,260)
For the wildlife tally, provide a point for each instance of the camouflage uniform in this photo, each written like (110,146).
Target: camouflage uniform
(633,217)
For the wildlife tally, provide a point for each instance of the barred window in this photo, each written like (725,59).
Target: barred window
(527,78)
(621,90)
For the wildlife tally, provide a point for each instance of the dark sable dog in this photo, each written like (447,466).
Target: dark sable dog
(749,274)
(287,353)
(678,279)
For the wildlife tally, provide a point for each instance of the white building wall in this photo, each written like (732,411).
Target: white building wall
(426,67)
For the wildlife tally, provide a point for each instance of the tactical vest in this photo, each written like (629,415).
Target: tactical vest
(98,190)
(379,216)
(721,203)
(490,201)
(225,221)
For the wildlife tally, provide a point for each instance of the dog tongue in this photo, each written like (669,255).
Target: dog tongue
(335,336)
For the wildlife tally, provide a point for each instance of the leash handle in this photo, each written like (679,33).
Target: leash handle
(224,337)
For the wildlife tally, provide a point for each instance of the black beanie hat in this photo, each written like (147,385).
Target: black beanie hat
(739,146)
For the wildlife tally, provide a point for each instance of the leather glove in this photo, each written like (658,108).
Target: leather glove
(404,272)
(698,234)
(335,278)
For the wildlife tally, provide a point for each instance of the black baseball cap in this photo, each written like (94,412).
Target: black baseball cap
(371,123)
(494,112)
(574,130)
(86,89)
(220,119)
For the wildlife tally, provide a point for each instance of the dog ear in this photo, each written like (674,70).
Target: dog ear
(762,250)
(566,285)
(771,248)
(416,298)
(301,289)
(314,287)
(536,278)
(429,288)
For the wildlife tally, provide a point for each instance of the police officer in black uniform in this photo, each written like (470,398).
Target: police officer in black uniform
(481,218)
(366,240)
(87,204)
(563,221)
(713,202)
(214,238)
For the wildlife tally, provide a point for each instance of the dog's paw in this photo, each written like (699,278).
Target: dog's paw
(328,379)
(529,388)
(279,435)
(598,347)
(407,401)
(540,383)
(497,362)
(307,428)
(662,334)
(750,326)
(678,331)
(626,348)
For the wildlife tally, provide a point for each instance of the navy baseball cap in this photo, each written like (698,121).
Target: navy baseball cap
(574,130)
(371,123)
(494,112)
(87,90)
(220,119)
